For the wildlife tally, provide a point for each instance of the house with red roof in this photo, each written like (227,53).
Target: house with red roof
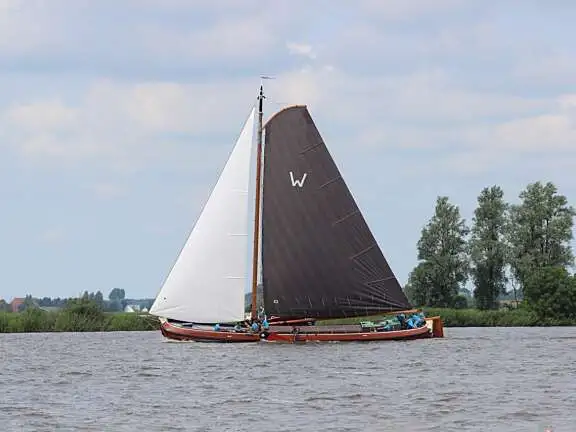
(16,302)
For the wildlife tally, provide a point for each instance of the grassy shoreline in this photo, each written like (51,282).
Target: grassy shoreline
(41,321)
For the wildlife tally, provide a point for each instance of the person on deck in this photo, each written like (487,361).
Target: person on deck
(265,324)
(402,319)
(217,327)
(418,319)
(410,323)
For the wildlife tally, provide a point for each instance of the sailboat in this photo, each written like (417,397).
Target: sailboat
(311,245)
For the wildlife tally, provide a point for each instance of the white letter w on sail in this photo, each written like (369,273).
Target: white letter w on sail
(296,182)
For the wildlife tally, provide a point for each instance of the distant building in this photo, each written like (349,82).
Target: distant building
(509,304)
(16,302)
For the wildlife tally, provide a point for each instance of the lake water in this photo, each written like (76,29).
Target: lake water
(492,379)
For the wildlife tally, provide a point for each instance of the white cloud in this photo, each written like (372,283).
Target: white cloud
(369,101)
(129,124)
(26,27)
(108,191)
(555,68)
(7,5)
(53,236)
(239,38)
(42,115)
(125,123)
(63,32)
(551,137)
(303,86)
(301,49)
(227,5)
(554,131)
(424,107)
(471,131)
(401,9)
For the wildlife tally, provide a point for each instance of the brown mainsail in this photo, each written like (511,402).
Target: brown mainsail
(319,257)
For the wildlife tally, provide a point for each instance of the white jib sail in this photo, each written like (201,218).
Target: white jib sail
(207,282)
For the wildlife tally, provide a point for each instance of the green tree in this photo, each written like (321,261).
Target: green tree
(443,265)
(28,303)
(116,298)
(540,231)
(99,299)
(45,301)
(488,248)
(81,315)
(419,281)
(4,306)
(34,319)
(551,292)
(460,302)
(116,294)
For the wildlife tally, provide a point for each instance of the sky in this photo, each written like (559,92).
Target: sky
(117,116)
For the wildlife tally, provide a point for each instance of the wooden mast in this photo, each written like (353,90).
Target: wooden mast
(255,248)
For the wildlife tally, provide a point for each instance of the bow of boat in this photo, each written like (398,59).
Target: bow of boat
(200,333)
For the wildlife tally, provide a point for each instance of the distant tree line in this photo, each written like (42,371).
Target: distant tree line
(525,246)
(116,301)
(77,315)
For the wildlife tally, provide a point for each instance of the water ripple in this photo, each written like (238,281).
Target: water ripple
(505,379)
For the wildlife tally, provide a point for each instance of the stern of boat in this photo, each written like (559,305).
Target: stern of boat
(436,326)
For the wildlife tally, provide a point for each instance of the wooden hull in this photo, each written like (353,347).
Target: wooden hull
(349,336)
(307,333)
(199,334)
